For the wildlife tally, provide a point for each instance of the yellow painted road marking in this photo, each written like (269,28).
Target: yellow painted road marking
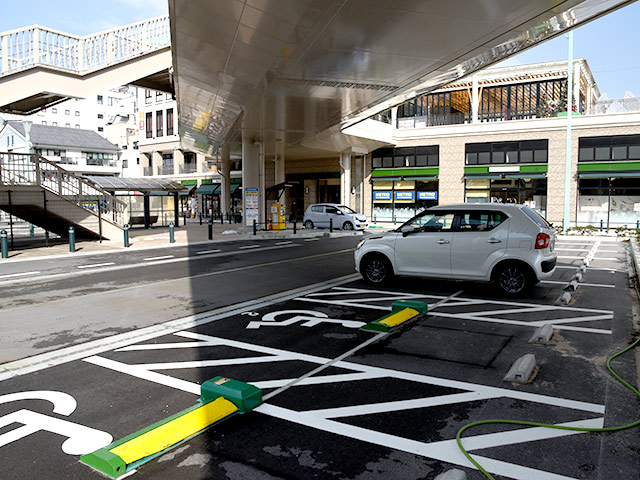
(174,431)
(400,317)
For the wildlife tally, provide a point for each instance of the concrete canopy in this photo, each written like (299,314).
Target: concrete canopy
(301,70)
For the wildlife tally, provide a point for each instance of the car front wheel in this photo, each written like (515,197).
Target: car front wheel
(513,279)
(376,270)
(347,226)
(308,224)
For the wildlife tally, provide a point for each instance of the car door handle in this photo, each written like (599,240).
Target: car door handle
(494,240)
(443,242)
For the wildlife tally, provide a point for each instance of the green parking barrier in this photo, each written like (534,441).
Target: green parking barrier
(401,311)
(220,398)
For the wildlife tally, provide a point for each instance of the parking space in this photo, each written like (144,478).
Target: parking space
(390,410)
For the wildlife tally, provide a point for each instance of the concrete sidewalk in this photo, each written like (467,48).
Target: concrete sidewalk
(27,248)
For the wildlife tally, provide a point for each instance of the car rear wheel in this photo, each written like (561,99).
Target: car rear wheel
(513,279)
(376,270)
(347,226)
(308,224)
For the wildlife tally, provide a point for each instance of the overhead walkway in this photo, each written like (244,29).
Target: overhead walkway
(40,67)
(40,192)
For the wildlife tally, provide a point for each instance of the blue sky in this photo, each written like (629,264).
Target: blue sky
(610,44)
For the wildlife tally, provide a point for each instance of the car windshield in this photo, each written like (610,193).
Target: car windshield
(346,209)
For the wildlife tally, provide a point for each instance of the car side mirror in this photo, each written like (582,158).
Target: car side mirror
(340,212)
(406,230)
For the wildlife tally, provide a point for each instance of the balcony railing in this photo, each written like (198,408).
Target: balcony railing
(615,105)
(37,46)
(31,169)
(433,120)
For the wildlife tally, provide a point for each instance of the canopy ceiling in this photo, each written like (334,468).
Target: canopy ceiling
(293,69)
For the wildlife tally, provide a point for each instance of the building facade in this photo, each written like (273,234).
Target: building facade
(501,136)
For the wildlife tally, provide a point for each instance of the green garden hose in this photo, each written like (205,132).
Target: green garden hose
(558,427)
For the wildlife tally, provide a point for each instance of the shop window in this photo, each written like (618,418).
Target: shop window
(149,124)
(605,149)
(634,152)
(159,129)
(603,153)
(406,157)
(527,151)
(619,153)
(540,156)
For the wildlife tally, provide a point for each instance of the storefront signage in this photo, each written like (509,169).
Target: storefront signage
(507,169)
(405,196)
(381,196)
(251,206)
(428,195)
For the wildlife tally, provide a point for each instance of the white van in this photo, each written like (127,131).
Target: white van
(321,214)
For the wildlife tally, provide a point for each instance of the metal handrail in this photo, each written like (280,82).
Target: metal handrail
(33,169)
(37,46)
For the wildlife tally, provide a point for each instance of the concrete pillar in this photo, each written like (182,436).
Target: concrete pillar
(253,171)
(280,175)
(178,161)
(201,163)
(394,117)
(225,175)
(156,163)
(345,177)
(474,100)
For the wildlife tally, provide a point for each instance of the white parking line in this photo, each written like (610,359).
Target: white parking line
(283,243)
(607,258)
(165,257)
(10,275)
(581,284)
(249,246)
(573,258)
(97,265)
(311,239)
(204,252)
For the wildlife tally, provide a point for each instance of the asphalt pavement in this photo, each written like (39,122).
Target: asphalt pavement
(389,410)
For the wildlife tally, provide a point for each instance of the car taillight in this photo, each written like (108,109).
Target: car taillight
(542,240)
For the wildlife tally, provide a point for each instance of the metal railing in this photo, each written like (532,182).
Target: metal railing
(32,169)
(38,46)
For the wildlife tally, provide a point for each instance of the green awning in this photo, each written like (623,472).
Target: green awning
(234,187)
(608,174)
(422,178)
(208,189)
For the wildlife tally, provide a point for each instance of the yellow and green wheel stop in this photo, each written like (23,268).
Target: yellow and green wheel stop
(220,398)
(401,311)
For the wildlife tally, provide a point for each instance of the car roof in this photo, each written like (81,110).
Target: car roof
(478,206)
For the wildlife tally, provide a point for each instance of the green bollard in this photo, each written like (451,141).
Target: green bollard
(172,237)
(72,240)
(4,244)
(31,230)
(126,235)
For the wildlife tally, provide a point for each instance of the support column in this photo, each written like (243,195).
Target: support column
(280,176)
(252,173)
(178,161)
(345,177)
(201,163)
(474,100)
(156,163)
(225,175)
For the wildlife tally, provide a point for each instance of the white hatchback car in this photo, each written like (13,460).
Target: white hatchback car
(322,215)
(510,245)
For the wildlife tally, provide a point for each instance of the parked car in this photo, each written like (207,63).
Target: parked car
(511,245)
(321,214)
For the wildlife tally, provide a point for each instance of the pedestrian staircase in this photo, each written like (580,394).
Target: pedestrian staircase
(41,67)
(40,192)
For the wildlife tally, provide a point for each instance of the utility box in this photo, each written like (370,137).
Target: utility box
(278,216)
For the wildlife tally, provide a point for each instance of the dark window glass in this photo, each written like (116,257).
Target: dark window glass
(421,161)
(159,130)
(603,153)
(387,162)
(170,121)
(377,162)
(526,156)
(586,154)
(497,157)
(472,159)
(619,153)
(149,124)
(512,156)
(434,160)
(484,157)
(634,152)
(540,156)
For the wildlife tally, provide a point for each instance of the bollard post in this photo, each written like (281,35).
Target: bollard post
(295,224)
(601,225)
(331,225)
(255,228)
(229,218)
(31,230)
(172,237)
(211,229)
(185,219)
(221,218)
(126,235)
(637,224)
(72,240)
(4,244)
(200,218)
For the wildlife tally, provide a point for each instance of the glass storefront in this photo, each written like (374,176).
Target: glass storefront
(610,202)
(161,209)
(398,201)
(527,191)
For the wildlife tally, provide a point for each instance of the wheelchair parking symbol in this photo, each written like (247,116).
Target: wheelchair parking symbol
(306,318)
